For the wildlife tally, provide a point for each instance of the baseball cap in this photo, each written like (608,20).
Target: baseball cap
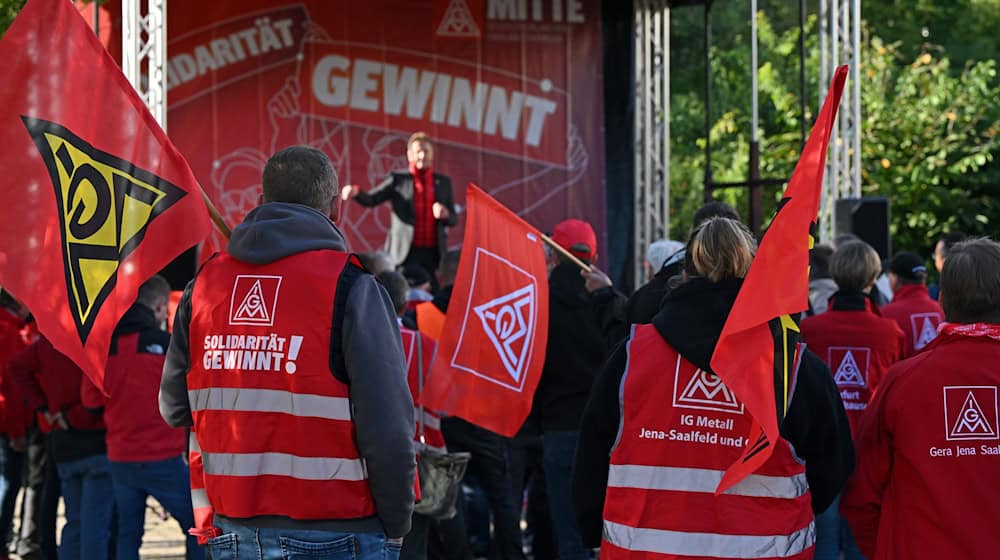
(908,265)
(577,237)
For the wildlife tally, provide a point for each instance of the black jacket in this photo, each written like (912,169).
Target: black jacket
(398,189)
(583,328)
(691,321)
(645,303)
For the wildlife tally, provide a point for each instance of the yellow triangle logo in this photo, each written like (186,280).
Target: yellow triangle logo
(104,204)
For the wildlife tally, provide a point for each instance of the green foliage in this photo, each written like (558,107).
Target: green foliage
(929,134)
(8,10)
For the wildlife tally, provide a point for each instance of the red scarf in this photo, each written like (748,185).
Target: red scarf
(971,329)
(424,224)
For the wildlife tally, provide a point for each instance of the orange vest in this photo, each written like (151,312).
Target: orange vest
(419,351)
(274,425)
(681,428)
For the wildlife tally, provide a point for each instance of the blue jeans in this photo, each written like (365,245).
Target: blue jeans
(169,482)
(558,450)
(833,536)
(241,542)
(86,489)
(10,485)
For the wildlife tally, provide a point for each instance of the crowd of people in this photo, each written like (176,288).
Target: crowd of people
(889,445)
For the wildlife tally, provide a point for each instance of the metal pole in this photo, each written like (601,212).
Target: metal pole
(856,75)
(803,99)
(756,215)
(708,101)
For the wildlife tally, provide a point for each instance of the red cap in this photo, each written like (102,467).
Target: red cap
(577,237)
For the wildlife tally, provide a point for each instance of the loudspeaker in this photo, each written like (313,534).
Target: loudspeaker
(868,218)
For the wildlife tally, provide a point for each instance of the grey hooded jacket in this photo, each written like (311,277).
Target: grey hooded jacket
(372,356)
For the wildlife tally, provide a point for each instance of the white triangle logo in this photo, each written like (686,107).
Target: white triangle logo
(707,389)
(507,321)
(458,21)
(971,421)
(253,307)
(848,372)
(927,334)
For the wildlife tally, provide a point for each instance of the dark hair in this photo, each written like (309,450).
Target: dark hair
(448,268)
(397,287)
(300,175)
(819,261)
(970,282)
(153,291)
(714,209)
(949,240)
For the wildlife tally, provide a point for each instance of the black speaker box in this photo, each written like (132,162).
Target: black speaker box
(868,218)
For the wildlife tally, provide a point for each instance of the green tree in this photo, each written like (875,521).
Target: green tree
(8,10)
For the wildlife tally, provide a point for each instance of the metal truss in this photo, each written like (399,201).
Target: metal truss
(840,43)
(652,128)
(144,52)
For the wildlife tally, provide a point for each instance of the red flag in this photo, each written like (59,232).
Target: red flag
(492,347)
(96,199)
(756,353)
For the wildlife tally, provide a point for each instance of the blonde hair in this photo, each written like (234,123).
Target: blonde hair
(855,266)
(419,136)
(721,248)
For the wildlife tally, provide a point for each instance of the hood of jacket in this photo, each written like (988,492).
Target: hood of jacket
(278,229)
(692,316)
(137,319)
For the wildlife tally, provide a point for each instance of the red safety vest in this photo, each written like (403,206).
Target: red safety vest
(681,428)
(204,527)
(275,426)
(419,351)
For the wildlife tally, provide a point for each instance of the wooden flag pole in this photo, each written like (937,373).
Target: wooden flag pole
(213,212)
(569,256)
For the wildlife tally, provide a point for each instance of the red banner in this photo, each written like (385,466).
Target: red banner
(510,91)
(492,347)
(756,354)
(97,199)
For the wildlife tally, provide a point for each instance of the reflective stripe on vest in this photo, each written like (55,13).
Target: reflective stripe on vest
(283,464)
(431,421)
(270,400)
(709,544)
(199,498)
(680,479)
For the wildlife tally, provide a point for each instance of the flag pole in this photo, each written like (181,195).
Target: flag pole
(213,212)
(569,256)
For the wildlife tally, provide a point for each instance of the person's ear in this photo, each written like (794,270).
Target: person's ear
(335,206)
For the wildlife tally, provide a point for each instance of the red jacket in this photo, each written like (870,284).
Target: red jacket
(14,416)
(857,344)
(915,493)
(917,314)
(136,431)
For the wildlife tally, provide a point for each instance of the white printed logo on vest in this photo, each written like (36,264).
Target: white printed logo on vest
(924,328)
(852,365)
(505,320)
(254,300)
(970,412)
(458,21)
(703,390)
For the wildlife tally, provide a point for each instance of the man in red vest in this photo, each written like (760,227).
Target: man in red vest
(859,346)
(287,360)
(145,453)
(671,428)
(929,443)
(912,307)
